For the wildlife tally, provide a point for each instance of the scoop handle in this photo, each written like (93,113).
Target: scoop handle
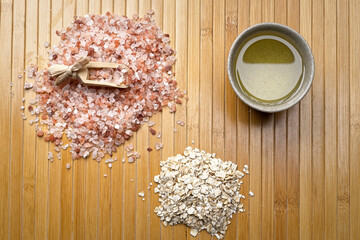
(105,65)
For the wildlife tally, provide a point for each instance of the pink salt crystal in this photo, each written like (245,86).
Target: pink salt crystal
(87,145)
(135,17)
(159,146)
(28,86)
(152,131)
(68,166)
(50,156)
(117,76)
(129,147)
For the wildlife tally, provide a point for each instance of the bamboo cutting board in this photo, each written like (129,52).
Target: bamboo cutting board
(304,162)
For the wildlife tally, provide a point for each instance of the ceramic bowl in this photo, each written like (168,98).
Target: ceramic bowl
(301,46)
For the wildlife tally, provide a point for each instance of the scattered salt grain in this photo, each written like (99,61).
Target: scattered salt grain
(105,175)
(40,133)
(129,147)
(141,194)
(19,76)
(110,165)
(131,159)
(181,123)
(50,156)
(28,86)
(159,146)
(152,131)
(22,108)
(251,194)
(46,44)
(65,146)
(68,166)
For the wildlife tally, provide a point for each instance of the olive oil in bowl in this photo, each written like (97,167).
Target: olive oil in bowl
(268,68)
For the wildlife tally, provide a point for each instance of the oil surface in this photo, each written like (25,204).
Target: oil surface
(269,68)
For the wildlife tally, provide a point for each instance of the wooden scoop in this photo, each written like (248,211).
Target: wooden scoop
(81,70)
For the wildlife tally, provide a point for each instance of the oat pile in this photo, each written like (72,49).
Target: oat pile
(200,191)
(96,120)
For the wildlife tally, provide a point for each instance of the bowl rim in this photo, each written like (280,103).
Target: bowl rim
(292,34)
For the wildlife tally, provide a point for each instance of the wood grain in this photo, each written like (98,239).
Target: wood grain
(17,128)
(304,162)
(305,153)
(343,121)
(354,50)
(5,124)
(29,147)
(318,126)
(330,120)
(42,164)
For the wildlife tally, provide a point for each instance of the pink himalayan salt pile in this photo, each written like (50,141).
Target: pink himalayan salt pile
(96,120)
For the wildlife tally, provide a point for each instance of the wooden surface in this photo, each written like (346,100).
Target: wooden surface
(304,162)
